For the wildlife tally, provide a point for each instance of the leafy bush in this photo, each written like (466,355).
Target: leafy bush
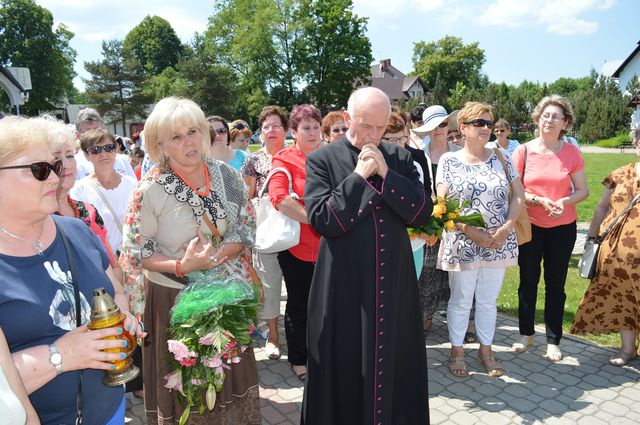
(613,142)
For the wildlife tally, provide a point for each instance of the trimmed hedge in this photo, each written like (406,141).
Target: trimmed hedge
(613,142)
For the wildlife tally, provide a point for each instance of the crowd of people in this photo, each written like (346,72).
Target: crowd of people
(85,208)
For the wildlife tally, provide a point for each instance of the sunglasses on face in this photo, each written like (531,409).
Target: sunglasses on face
(40,170)
(95,150)
(443,124)
(339,130)
(499,130)
(480,123)
(220,130)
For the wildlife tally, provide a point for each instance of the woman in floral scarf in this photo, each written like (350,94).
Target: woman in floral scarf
(174,212)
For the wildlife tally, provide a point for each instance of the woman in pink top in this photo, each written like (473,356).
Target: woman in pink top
(554,182)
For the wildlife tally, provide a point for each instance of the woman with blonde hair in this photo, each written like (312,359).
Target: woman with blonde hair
(477,258)
(240,135)
(554,182)
(176,209)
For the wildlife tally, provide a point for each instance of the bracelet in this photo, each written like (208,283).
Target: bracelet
(179,271)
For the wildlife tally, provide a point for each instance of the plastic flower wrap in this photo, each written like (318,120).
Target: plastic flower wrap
(209,330)
(446,213)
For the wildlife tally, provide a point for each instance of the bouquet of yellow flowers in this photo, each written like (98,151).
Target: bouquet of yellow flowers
(445,215)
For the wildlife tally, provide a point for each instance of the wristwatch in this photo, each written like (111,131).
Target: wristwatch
(55,358)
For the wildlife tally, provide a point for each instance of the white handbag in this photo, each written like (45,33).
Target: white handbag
(275,231)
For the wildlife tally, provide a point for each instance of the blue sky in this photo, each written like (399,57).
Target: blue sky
(535,40)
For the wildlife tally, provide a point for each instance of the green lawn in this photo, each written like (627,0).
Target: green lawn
(597,167)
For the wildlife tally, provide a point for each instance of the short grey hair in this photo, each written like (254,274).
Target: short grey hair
(85,115)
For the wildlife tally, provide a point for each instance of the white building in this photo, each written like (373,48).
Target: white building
(629,67)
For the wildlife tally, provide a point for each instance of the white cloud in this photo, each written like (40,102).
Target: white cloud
(427,5)
(558,17)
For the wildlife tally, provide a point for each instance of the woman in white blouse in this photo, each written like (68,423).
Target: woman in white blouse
(105,189)
(477,258)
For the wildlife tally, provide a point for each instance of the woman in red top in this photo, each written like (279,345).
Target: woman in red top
(297,263)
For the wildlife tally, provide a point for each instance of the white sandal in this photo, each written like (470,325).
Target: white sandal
(553,353)
(272,351)
(522,344)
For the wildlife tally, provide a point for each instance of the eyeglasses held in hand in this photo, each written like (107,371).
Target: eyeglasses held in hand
(339,130)
(40,170)
(95,150)
(272,127)
(220,130)
(552,117)
(479,122)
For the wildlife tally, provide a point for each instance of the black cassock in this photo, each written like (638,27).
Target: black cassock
(367,357)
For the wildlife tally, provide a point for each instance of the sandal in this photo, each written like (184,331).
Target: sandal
(553,353)
(272,351)
(621,358)
(491,364)
(302,375)
(521,345)
(470,337)
(458,367)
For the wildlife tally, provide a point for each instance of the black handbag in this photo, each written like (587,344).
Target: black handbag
(589,260)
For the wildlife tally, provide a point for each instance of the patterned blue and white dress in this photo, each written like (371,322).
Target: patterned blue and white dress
(487,187)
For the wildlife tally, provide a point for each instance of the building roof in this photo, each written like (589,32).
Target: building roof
(618,71)
(392,81)
(11,78)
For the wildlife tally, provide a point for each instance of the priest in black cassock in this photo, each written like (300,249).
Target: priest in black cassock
(367,357)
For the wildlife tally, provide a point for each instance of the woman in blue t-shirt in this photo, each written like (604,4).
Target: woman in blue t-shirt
(37,302)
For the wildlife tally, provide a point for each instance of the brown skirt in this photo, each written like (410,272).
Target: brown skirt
(237,403)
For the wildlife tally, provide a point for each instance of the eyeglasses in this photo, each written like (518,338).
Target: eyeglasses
(272,127)
(396,140)
(339,130)
(479,122)
(454,137)
(552,117)
(499,130)
(240,126)
(443,124)
(95,150)
(40,170)
(220,130)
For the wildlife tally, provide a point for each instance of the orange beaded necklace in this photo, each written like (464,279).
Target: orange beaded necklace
(207,189)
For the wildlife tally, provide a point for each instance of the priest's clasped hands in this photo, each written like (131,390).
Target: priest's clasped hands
(371,161)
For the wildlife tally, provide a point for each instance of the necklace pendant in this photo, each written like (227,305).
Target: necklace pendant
(37,245)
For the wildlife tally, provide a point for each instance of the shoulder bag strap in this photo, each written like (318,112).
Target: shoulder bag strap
(76,293)
(271,173)
(106,202)
(524,164)
(610,227)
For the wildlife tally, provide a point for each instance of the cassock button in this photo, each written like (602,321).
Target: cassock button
(378,207)
(381,319)
(359,211)
(380,346)
(352,220)
(382,235)
(370,202)
(381,333)
(381,277)
(402,198)
(381,249)
(380,373)
(381,305)
(381,264)
(413,205)
(381,221)
(379,385)
(393,191)
(381,291)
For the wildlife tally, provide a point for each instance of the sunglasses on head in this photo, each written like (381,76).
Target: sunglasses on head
(240,126)
(40,170)
(479,122)
(95,150)
(339,130)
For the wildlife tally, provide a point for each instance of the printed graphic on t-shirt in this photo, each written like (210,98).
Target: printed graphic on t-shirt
(63,307)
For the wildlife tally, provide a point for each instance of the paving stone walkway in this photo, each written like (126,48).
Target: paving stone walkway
(582,389)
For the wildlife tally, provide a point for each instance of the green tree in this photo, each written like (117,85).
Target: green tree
(155,45)
(439,95)
(115,87)
(335,50)
(28,39)
(452,59)
(606,111)
(633,86)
